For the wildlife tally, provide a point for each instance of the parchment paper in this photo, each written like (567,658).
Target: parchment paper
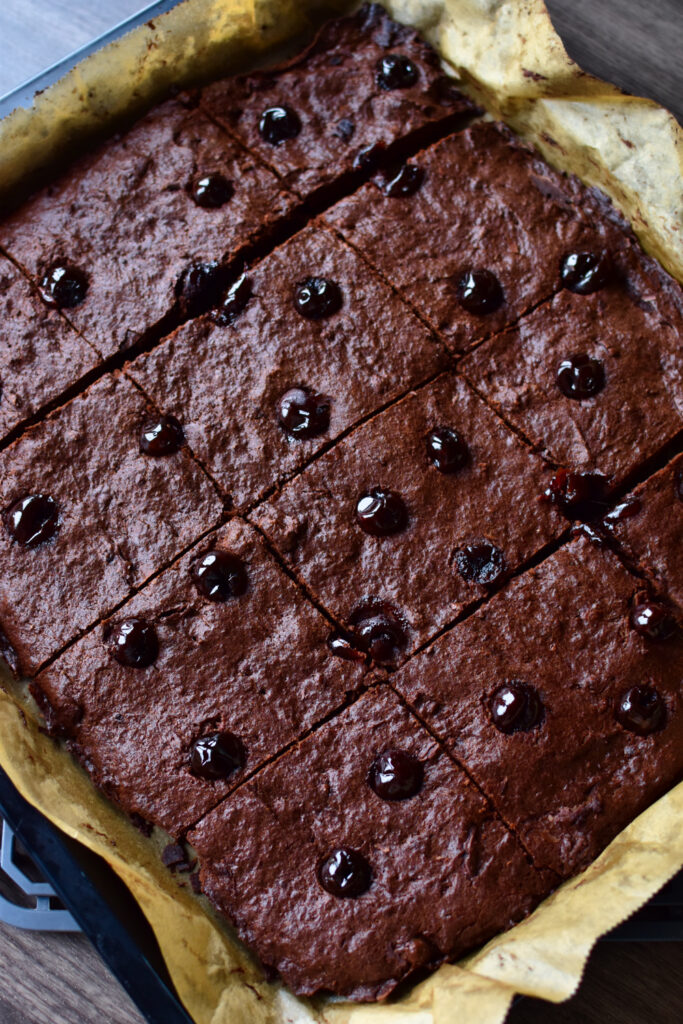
(507,54)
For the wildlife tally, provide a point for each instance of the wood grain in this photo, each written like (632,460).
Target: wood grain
(59,979)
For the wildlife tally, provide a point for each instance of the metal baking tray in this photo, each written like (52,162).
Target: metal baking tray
(74,889)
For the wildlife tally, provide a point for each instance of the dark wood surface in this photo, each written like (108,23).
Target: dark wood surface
(638,44)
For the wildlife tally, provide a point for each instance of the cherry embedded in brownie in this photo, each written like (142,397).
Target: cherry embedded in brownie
(396,881)
(319,343)
(365,85)
(568,717)
(414,515)
(86,516)
(212,668)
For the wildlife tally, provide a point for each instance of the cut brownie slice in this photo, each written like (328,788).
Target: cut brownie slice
(482,236)
(235,667)
(649,526)
(40,354)
(320,343)
(114,241)
(373,839)
(86,516)
(568,718)
(595,380)
(413,516)
(364,83)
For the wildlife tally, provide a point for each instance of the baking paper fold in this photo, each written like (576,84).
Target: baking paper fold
(510,59)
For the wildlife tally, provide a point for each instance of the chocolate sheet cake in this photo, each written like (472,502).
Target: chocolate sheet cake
(307,388)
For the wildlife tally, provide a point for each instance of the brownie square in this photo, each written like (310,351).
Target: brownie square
(649,527)
(251,662)
(126,220)
(594,381)
(455,534)
(445,874)
(363,84)
(226,383)
(482,238)
(101,519)
(40,354)
(568,718)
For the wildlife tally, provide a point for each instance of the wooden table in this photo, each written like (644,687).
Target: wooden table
(57,979)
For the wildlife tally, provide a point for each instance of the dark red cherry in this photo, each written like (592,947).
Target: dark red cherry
(580,376)
(199,286)
(479,292)
(381,513)
(369,157)
(278,124)
(233,303)
(585,272)
(345,647)
(345,873)
(134,643)
(32,520)
(641,710)
(64,285)
(162,435)
(303,413)
(217,755)
(481,562)
(211,190)
(515,707)
(379,631)
(652,620)
(578,495)
(396,775)
(220,575)
(395,71)
(317,298)
(403,181)
(446,449)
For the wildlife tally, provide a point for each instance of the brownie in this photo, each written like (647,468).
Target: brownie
(450,502)
(364,84)
(319,320)
(86,517)
(595,381)
(482,238)
(237,652)
(40,354)
(429,870)
(569,719)
(126,223)
(649,527)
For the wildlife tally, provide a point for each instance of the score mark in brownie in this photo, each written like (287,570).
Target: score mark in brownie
(568,718)
(408,883)
(237,668)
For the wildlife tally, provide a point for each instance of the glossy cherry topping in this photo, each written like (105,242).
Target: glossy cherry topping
(162,435)
(219,575)
(303,413)
(199,286)
(381,513)
(64,285)
(369,157)
(379,630)
(641,710)
(317,298)
(345,873)
(278,124)
(578,495)
(403,181)
(580,376)
(396,71)
(396,775)
(217,755)
(211,190)
(344,646)
(515,707)
(134,643)
(32,520)
(481,562)
(652,620)
(446,449)
(233,303)
(585,272)
(479,292)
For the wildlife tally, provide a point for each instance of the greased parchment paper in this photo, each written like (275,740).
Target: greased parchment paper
(509,57)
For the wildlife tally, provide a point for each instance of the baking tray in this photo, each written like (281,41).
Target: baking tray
(93,899)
